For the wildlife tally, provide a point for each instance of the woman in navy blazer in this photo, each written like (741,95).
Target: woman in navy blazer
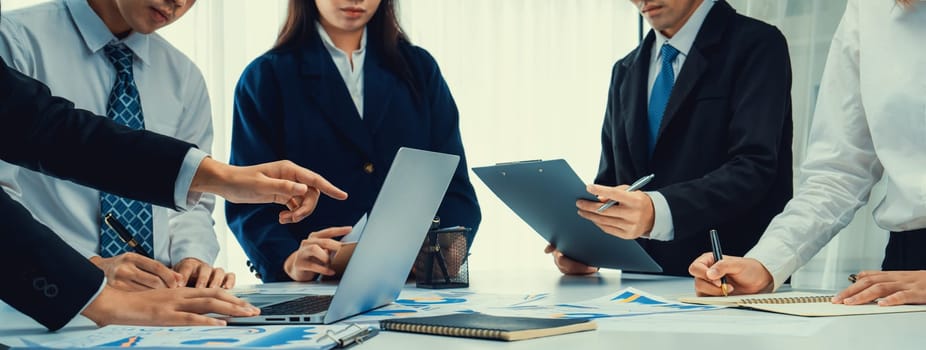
(294,103)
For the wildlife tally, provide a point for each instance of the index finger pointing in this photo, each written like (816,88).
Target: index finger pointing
(312,179)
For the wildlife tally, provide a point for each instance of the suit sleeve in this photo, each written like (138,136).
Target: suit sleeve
(254,134)
(460,207)
(52,282)
(760,104)
(46,134)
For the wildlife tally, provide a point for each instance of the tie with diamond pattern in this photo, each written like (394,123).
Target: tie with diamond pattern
(124,107)
(662,89)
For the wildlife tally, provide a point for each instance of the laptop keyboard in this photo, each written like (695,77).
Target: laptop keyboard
(307,305)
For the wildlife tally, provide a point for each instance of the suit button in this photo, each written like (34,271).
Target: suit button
(42,285)
(368,167)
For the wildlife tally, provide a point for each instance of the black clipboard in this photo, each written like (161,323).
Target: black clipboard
(543,194)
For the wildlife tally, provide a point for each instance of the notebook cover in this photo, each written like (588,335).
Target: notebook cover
(476,325)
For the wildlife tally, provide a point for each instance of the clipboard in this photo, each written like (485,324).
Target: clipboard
(543,194)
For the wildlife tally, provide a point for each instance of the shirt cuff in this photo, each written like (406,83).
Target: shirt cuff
(183,198)
(96,295)
(663,228)
(776,258)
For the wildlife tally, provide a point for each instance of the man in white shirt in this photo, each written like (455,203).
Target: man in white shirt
(103,55)
(869,125)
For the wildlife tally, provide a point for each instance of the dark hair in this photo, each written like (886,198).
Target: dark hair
(383,31)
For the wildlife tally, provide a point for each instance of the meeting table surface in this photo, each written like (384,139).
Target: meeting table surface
(715,329)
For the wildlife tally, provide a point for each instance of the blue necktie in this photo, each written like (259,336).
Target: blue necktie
(124,107)
(662,89)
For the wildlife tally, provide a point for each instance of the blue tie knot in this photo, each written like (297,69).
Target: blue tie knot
(121,57)
(668,53)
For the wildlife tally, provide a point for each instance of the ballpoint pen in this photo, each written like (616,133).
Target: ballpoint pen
(633,187)
(718,255)
(124,234)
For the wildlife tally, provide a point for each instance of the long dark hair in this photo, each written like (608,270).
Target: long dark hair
(383,31)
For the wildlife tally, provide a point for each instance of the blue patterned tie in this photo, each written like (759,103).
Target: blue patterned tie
(662,89)
(124,107)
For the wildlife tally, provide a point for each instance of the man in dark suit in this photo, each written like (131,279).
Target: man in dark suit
(52,283)
(718,138)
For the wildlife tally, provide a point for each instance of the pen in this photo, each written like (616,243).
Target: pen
(635,186)
(718,255)
(124,234)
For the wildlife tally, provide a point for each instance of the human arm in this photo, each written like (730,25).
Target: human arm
(840,168)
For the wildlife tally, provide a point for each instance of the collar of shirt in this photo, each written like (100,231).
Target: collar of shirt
(684,39)
(350,68)
(335,51)
(96,35)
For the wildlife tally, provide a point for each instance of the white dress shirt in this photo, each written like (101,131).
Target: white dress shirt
(351,73)
(663,228)
(61,44)
(869,123)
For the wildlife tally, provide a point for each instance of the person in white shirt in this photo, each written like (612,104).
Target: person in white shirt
(869,125)
(75,47)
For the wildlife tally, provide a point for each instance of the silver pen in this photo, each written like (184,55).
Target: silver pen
(635,186)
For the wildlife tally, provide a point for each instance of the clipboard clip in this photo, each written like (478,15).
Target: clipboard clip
(520,162)
(350,335)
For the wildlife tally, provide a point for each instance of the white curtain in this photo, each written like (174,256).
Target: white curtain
(530,78)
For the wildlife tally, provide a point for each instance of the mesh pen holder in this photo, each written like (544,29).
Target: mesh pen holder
(443,260)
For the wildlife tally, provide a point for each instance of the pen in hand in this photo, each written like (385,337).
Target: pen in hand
(124,234)
(633,187)
(718,255)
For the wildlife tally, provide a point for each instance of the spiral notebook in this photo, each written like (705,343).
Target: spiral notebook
(801,304)
(477,325)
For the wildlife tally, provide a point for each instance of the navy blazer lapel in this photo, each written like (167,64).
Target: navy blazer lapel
(633,92)
(697,62)
(379,85)
(326,86)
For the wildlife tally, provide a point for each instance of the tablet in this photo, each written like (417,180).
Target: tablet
(544,194)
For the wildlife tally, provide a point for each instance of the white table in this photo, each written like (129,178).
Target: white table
(729,328)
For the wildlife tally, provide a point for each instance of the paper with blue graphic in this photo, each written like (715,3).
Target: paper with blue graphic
(263,337)
(626,302)
(420,302)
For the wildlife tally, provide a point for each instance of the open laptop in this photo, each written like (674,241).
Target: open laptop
(379,266)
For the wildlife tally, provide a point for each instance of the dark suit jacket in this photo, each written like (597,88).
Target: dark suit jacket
(49,281)
(293,104)
(722,157)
